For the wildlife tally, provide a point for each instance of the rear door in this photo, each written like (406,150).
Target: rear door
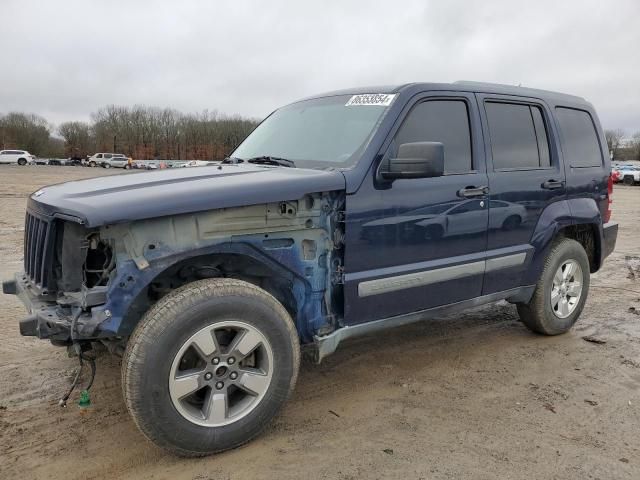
(525,177)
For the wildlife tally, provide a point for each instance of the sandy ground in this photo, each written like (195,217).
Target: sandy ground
(472,396)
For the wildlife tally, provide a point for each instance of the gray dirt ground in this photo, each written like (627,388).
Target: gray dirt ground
(472,396)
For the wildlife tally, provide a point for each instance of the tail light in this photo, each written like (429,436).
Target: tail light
(607,214)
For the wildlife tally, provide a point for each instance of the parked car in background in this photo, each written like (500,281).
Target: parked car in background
(103,159)
(20,157)
(629,175)
(58,162)
(74,161)
(195,163)
(117,160)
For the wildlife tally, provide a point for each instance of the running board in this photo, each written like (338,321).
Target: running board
(327,344)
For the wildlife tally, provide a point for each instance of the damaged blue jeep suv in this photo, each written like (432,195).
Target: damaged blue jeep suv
(339,215)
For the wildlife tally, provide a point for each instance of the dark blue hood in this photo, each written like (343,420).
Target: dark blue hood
(136,196)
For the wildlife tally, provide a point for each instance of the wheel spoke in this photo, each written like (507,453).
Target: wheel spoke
(216,408)
(186,384)
(555,297)
(253,382)
(563,307)
(204,343)
(567,273)
(557,278)
(247,343)
(574,289)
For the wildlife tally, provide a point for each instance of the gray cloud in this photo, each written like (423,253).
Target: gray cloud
(66,60)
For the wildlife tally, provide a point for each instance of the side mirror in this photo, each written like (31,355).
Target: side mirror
(415,160)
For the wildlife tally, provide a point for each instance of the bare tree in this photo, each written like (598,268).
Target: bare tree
(635,145)
(614,140)
(140,132)
(77,138)
(27,131)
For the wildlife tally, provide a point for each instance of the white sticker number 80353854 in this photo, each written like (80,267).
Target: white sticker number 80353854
(379,99)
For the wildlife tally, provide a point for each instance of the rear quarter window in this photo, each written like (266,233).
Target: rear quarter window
(579,138)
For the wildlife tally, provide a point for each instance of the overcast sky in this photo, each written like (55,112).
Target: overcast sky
(65,59)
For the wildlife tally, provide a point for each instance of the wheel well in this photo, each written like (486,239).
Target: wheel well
(227,265)
(586,235)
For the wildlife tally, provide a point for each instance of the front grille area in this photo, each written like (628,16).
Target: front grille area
(38,249)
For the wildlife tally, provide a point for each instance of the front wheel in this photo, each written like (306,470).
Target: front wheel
(22,162)
(215,360)
(561,292)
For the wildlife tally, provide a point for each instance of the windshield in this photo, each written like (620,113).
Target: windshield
(321,132)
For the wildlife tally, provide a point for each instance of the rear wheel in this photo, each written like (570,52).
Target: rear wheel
(92,163)
(561,292)
(106,165)
(214,360)
(628,180)
(22,162)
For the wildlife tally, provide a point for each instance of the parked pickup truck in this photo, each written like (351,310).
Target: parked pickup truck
(340,215)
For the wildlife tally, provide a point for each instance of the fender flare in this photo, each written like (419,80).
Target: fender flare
(117,318)
(555,217)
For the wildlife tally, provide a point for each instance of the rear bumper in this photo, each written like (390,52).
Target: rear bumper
(609,237)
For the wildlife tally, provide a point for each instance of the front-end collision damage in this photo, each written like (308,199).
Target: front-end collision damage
(292,249)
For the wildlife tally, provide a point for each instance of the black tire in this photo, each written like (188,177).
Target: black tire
(106,165)
(628,180)
(538,315)
(167,326)
(127,167)
(92,164)
(22,162)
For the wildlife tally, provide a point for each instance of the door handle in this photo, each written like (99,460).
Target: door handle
(552,184)
(469,192)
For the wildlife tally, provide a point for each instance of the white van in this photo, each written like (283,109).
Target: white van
(21,157)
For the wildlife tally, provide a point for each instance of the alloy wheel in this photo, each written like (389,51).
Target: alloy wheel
(221,373)
(566,289)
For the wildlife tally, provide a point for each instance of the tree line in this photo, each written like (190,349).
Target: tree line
(147,133)
(140,132)
(623,146)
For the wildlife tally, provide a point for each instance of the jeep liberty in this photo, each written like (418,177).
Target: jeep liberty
(340,215)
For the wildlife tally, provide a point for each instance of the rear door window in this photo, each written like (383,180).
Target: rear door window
(518,134)
(579,139)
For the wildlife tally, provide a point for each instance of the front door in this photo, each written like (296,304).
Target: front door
(415,244)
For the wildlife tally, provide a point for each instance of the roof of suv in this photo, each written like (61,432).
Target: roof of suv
(462,86)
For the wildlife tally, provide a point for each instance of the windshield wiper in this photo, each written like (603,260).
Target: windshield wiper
(268,160)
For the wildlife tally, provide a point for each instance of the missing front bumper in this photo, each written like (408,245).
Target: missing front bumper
(46,319)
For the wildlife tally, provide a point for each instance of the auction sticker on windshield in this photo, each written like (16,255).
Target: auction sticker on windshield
(379,99)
